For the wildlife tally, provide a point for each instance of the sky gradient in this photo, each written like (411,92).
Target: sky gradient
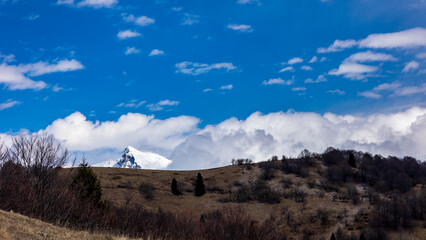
(202,82)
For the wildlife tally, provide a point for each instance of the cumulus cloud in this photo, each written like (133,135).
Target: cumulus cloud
(240,27)
(41,68)
(294,60)
(286,69)
(192,68)
(128,34)
(15,77)
(319,79)
(298,89)
(415,37)
(394,89)
(314,59)
(306,68)
(140,21)
(338,45)
(260,136)
(161,105)
(131,50)
(141,131)
(156,52)
(65,2)
(278,81)
(8,104)
(413,65)
(370,56)
(354,71)
(95,3)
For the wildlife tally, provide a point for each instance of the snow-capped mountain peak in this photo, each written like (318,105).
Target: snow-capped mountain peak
(133,158)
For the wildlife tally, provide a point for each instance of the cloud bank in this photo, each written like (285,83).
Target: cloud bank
(257,137)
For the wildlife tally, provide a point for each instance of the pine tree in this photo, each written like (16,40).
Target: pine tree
(351,160)
(200,190)
(332,237)
(175,189)
(88,185)
(362,237)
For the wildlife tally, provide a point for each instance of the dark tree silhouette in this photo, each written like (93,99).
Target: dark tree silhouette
(351,160)
(87,184)
(200,189)
(175,189)
(332,237)
(362,237)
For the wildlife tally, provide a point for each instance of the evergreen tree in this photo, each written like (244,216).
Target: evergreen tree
(87,184)
(351,160)
(362,237)
(200,190)
(175,189)
(332,237)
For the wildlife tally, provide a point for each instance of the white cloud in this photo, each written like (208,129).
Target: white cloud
(278,81)
(177,9)
(298,89)
(240,27)
(190,19)
(370,56)
(207,90)
(413,65)
(14,78)
(41,68)
(286,69)
(337,91)
(421,55)
(140,21)
(127,34)
(131,50)
(338,45)
(354,71)
(394,89)
(370,94)
(410,90)
(319,79)
(65,2)
(260,136)
(32,17)
(132,104)
(8,104)
(161,104)
(314,59)
(415,37)
(248,1)
(156,52)
(7,58)
(192,68)
(96,3)
(294,60)
(141,131)
(306,68)
(227,87)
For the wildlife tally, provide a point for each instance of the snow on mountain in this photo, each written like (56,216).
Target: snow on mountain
(133,158)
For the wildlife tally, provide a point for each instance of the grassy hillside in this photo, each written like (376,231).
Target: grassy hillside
(324,209)
(14,226)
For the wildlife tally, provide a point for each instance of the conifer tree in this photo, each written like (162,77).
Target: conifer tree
(200,190)
(362,237)
(332,237)
(87,184)
(175,189)
(351,160)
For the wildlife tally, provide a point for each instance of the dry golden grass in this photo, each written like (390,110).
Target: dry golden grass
(14,226)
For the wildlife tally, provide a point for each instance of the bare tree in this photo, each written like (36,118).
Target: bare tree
(38,153)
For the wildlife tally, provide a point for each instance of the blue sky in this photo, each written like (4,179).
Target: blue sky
(211,61)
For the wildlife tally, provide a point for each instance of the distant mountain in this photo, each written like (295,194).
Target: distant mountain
(133,158)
